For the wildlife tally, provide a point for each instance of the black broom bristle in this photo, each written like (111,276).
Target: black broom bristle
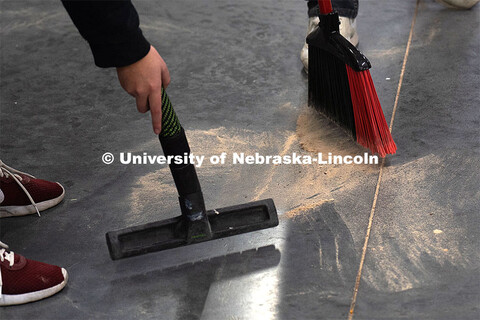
(328,88)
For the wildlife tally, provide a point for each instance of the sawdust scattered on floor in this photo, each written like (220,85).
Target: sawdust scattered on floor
(316,133)
(289,185)
(305,208)
(286,147)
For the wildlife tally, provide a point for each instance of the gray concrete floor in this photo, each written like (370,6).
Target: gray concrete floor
(238,86)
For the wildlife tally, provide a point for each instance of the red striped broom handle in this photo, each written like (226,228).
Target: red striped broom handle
(325,6)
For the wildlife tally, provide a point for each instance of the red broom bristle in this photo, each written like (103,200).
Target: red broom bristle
(370,125)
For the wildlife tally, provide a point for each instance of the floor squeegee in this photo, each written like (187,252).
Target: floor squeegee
(195,224)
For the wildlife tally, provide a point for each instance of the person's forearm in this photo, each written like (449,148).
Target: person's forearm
(112,30)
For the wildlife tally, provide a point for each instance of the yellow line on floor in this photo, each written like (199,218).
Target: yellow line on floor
(402,73)
(380,174)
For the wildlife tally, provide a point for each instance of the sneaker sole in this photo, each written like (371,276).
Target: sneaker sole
(16,211)
(14,299)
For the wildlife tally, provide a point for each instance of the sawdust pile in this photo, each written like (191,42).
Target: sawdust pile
(316,133)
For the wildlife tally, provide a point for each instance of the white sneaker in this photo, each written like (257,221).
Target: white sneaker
(347,29)
(459,4)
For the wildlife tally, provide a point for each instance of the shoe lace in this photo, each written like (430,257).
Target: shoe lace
(6,254)
(6,171)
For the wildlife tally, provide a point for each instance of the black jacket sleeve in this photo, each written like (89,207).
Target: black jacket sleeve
(112,30)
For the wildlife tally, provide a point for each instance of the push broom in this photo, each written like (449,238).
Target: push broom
(340,85)
(195,224)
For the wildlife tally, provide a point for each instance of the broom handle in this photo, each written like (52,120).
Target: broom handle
(325,6)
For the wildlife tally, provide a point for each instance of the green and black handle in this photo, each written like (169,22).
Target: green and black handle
(174,143)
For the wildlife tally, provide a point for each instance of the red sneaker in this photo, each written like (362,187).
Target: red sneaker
(22,194)
(23,280)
